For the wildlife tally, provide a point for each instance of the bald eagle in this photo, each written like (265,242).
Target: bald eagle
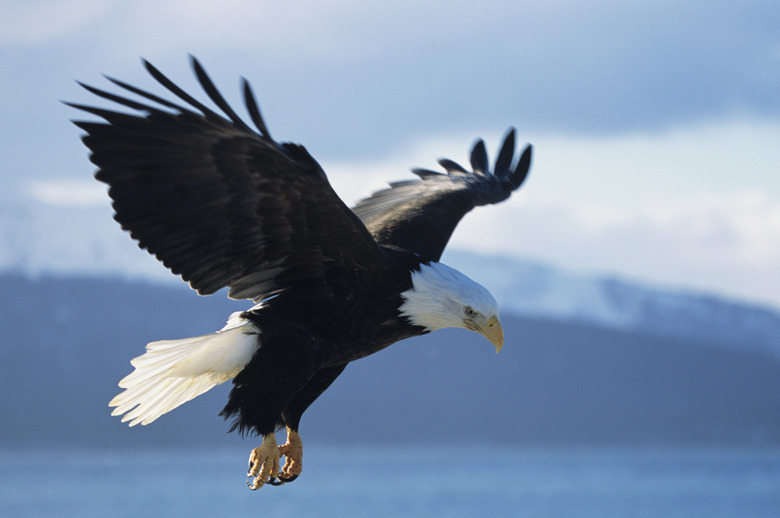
(223,205)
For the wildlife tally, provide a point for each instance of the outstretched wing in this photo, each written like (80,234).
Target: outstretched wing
(217,202)
(420,215)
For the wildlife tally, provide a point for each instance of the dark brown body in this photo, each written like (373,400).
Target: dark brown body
(306,344)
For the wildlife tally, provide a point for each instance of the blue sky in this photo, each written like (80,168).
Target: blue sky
(656,124)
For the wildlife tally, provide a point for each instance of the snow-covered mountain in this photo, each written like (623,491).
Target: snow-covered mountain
(46,238)
(535,289)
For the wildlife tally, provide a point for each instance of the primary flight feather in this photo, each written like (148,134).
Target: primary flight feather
(224,205)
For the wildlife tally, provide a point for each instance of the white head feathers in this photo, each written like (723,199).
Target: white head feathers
(441,297)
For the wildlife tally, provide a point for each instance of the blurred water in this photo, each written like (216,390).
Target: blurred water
(394,481)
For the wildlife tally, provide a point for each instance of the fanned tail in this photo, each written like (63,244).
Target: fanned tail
(172,372)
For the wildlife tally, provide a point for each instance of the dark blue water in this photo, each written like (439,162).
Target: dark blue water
(378,482)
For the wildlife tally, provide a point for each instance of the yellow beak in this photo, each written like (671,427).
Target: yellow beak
(494,333)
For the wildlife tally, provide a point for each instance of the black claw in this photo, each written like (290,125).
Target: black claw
(287,479)
(272,480)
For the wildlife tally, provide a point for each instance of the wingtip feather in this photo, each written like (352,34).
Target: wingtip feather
(523,166)
(254,109)
(505,155)
(479,158)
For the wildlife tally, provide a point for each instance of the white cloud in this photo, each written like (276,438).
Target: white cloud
(69,193)
(722,244)
(719,157)
(37,21)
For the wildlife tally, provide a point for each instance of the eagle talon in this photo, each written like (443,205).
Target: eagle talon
(263,463)
(293,453)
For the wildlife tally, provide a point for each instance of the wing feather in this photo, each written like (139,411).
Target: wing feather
(254,110)
(505,155)
(479,158)
(420,215)
(218,203)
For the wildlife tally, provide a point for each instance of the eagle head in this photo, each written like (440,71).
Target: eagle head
(442,296)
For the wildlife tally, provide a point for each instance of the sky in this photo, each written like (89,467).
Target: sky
(655,125)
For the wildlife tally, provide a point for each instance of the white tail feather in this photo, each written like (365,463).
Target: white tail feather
(172,372)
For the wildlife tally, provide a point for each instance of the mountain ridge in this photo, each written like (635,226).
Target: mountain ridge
(536,289)
(66,342)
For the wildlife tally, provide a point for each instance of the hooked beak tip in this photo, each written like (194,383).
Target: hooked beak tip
(495,334)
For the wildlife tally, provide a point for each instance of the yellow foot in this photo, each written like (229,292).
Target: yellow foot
(293,453)
(263,464)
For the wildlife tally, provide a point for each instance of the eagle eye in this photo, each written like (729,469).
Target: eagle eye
(470,312)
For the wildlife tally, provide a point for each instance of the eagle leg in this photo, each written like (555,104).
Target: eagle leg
(264,464)
(293,453)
